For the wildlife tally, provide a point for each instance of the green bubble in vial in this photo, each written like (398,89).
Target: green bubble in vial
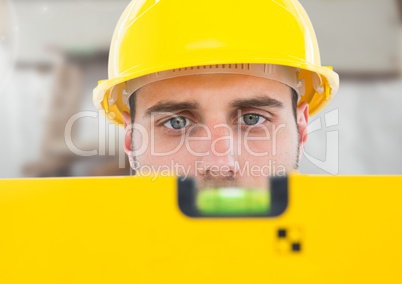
(233,201)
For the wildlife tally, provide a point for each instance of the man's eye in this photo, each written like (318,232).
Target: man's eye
(252,119)
(177,123)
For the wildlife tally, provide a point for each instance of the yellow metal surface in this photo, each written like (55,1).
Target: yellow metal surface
(154,36)
(130,230)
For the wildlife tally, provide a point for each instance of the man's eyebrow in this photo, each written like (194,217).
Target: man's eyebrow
(257,102)
(171,106)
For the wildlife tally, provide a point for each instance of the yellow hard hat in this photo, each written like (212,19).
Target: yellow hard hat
(159,35)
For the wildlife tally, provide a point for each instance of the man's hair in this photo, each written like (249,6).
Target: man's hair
(133,98)
(131,102)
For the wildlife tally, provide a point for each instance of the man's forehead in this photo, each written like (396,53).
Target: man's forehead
(212,88)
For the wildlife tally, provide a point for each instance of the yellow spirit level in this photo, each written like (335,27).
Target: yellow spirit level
(316,229)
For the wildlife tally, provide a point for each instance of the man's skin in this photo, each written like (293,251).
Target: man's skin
(218,141)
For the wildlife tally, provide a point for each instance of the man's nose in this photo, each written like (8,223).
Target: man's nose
(221,160)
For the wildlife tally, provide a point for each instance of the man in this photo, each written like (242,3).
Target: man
(216,90)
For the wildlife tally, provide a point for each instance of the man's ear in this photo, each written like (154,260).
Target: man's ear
(302,122)
(128,136)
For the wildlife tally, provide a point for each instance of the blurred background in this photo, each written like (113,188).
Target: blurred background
(52,53)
